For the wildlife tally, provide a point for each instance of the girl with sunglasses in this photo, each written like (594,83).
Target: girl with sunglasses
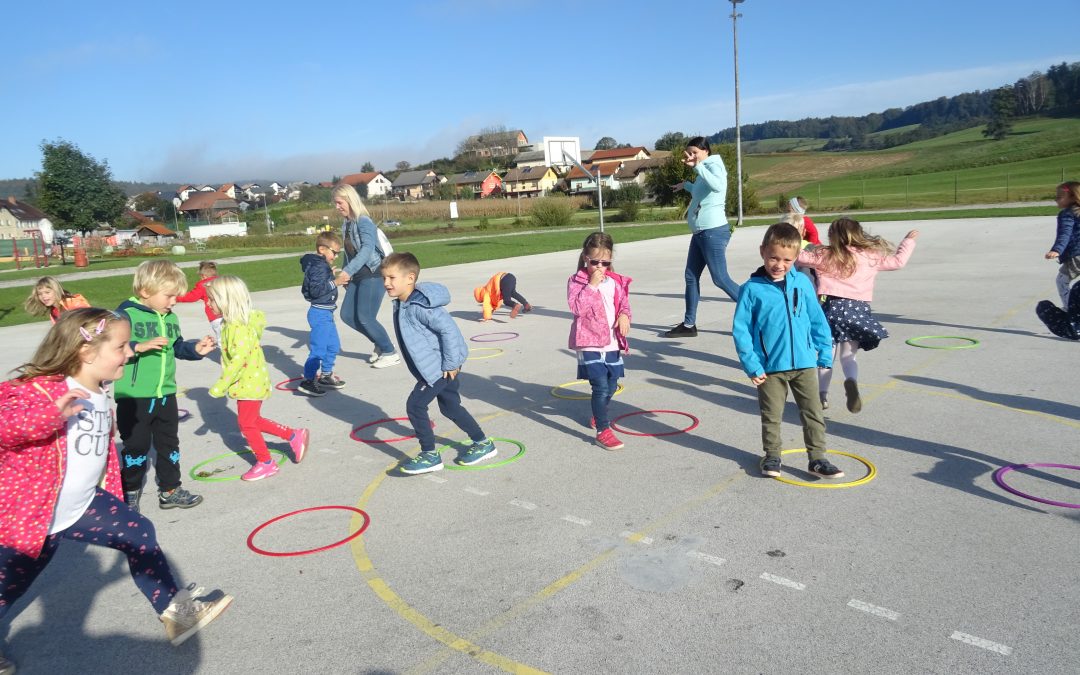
(600,302)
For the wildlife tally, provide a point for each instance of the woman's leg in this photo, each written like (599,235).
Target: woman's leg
(349,312)
(714,247)
(695,263)
(371,293)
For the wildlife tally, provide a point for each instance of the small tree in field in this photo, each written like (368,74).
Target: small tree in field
(1002,107)
(75,189)
(627,199)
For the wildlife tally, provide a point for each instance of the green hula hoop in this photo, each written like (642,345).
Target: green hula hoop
(210,479)
(493,465)
(915,342)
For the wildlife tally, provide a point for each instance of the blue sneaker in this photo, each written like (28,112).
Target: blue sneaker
(478,451)
(425,462)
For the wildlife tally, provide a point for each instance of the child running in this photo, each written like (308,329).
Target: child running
(1066,248)
(434,351)
(501,289)
(846,269)
(320,288)
(797,206)
(146,410)
(48,298)
(780,334)
(244,376)
(61,473)
(207,273)
(600,302)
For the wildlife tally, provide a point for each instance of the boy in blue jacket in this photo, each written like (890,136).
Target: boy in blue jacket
(320,288)
(782,337)
(434,351)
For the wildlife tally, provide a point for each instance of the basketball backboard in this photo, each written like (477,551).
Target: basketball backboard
(558,151)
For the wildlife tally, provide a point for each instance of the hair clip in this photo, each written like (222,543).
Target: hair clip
(98,330)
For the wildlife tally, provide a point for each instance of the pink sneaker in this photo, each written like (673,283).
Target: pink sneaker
(260,470)
(299,443)
(592,422)
(606,439)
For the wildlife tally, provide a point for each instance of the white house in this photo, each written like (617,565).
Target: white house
(17,217)
(377,184)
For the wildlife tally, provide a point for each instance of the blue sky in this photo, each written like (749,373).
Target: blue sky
(216,92)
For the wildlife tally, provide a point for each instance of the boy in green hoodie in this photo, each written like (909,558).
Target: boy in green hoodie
(146,411)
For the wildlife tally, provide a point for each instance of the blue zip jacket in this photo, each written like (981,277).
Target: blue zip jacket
(427,332)
(366,240)
(780,329)
(708,194)
(1067,241)
(318,288)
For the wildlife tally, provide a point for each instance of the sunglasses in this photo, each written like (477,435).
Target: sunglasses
(336,252)
(602,263)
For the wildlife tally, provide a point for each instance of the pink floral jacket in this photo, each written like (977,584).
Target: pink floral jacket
(33,460)
(590,328)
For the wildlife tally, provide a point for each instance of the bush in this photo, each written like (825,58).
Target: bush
(857,204)
(628,200)
(553,212)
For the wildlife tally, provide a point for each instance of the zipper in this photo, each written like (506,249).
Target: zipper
(161,369)
(790,326)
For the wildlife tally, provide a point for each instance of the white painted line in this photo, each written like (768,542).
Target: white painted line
(981,643)
(577,521)
(528,506)
(435,479)
(715,560)
(873,609)
(633,536)
(475,491)
(782,581)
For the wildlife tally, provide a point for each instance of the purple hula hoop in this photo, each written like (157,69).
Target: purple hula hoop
(998,478)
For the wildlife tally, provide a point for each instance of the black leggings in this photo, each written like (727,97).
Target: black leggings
(508,288)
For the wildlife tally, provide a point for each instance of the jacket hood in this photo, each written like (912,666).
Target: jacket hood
(310,259)
(761,276)
(429,294)
(133,302)
(713,159)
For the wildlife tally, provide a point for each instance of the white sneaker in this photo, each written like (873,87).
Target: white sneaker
(374,356)
(190,611)
(7,667)
(386,360)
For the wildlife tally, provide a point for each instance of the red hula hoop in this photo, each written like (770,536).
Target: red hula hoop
(283,554)
(693,424)
(352,434)
(280,386)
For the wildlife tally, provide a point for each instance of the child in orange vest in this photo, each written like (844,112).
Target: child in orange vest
(501,289)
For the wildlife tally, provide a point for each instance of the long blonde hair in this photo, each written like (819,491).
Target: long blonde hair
(352,198)
(230,295)
(846,234)
(35,307)
(60,353)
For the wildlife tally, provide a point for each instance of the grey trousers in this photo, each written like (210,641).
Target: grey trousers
(772,395)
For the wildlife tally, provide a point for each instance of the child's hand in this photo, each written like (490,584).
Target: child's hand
(622,324)
(677,186)
(451,374)
(1052,255)
(914,234)
(596,276)
(205,346)
(151,345)
(759,380)
(342,278)
(67,403)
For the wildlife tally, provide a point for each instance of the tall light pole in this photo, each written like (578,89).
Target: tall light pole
(266,211)
(738,129)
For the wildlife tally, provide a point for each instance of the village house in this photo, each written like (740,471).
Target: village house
(499,144)
(636,170)
(579,183)
(17,218)
(529,181)
(210,207)
(377,185)
(411,185)
(482,183)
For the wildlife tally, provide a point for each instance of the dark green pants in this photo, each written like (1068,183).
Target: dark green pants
(772,395)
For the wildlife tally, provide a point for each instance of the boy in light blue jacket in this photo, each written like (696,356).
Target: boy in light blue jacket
(782,337)
(434,351)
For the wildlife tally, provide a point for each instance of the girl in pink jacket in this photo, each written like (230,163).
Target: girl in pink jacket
(60,471)
(600,302)
(846,269)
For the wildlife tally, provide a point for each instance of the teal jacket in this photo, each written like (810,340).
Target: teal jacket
(708,195)
(778,328)
(152,374)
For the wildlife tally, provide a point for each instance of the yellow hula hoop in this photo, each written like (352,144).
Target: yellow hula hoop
(497,350)
(556,394)
(871,472)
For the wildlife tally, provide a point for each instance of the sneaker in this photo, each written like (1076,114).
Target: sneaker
(825,469)
(310,388)
(331,381)
(854,402)
(425,462)
(592,422)
(132,501)
(261,470)
(680,331)
(476,452)
(607,440)
(188,613)
(299,444)
(178,499)
(386,360)
(515,311)
(7,666)
(770,466)
(527,308)
(374,356)
(824,400)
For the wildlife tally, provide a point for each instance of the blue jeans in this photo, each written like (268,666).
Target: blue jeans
(707,249)
(363,297)
(325,343)
(446,391)
(603,388)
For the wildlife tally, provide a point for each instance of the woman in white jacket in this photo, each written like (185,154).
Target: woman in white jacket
(709,228)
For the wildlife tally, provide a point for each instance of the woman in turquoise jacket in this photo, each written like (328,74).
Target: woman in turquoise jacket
(709,229)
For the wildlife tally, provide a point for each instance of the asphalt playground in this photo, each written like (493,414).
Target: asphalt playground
(670,556)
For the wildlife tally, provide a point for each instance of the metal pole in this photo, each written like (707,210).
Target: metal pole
(738,130)
(600,195)
(266,210)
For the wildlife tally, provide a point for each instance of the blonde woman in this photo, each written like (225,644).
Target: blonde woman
(360,275)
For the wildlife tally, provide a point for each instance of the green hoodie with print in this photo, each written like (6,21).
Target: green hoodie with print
(152,374)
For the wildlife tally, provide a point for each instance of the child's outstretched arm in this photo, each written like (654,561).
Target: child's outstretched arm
(194,295)
(903,253)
